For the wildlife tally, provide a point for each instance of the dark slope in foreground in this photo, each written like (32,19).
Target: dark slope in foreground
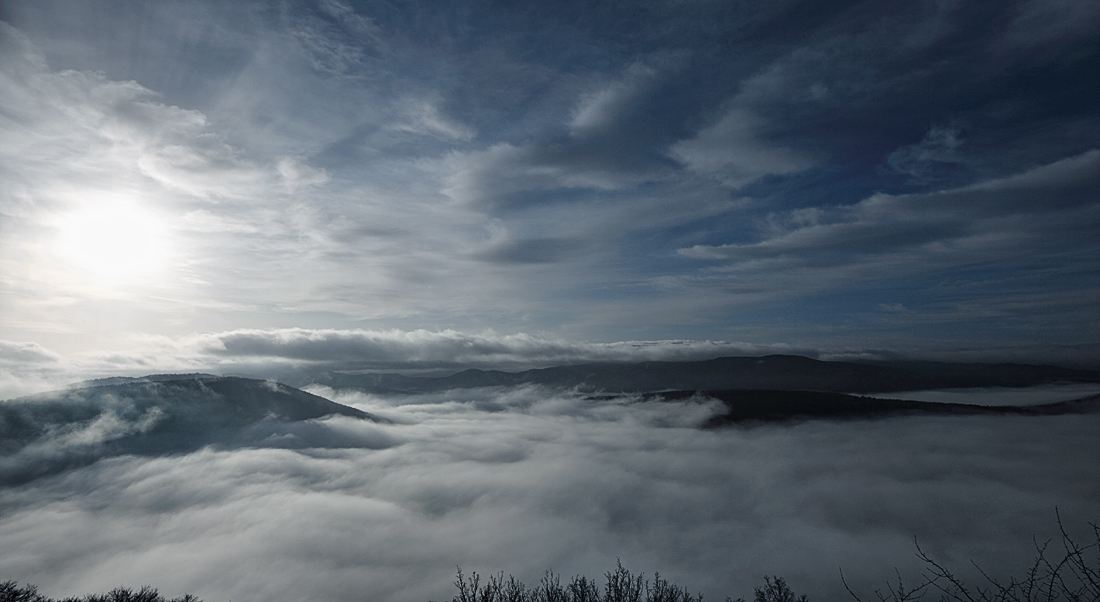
(45,433)
(773,372)
(755,406)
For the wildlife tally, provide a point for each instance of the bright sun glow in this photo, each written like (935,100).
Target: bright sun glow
(114,240)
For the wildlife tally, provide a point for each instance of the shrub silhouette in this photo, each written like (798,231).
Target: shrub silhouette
(11,592)
(776,590)
(1072,576)
(620,586)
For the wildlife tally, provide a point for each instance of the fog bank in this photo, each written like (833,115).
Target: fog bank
(1004,396)
(523,480)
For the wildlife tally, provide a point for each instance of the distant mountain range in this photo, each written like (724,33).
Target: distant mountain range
(772,372)
(155,415)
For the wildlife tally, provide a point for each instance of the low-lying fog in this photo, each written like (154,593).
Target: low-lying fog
(525,480)
(1003,396)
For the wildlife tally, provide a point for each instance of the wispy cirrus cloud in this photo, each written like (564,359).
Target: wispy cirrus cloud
(336,165)
(922,161)
(987,245)
(991,217)
(731,151)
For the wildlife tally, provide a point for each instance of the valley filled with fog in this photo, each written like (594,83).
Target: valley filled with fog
(525,479)
(374,290)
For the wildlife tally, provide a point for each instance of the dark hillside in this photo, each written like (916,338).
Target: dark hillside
(44,433)
(772,372)
(750,406)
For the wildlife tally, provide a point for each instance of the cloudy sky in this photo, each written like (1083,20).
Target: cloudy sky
(230,185)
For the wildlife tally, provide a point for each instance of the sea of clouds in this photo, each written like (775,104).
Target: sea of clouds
(523,480)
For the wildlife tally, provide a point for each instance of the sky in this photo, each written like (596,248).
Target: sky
(249,187)
(526,480)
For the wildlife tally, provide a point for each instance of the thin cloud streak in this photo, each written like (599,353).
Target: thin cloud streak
(451,347)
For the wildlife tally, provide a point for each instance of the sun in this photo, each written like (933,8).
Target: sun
(116,240)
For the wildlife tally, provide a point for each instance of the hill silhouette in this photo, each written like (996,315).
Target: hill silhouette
(45,433)
(772,372)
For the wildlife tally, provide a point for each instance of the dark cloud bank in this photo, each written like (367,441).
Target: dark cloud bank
(525,479)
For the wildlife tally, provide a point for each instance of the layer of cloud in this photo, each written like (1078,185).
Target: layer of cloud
(523,480)
(427,349)
(297,355)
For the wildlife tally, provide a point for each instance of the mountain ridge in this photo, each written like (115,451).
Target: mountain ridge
(164,414)
(770,372)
